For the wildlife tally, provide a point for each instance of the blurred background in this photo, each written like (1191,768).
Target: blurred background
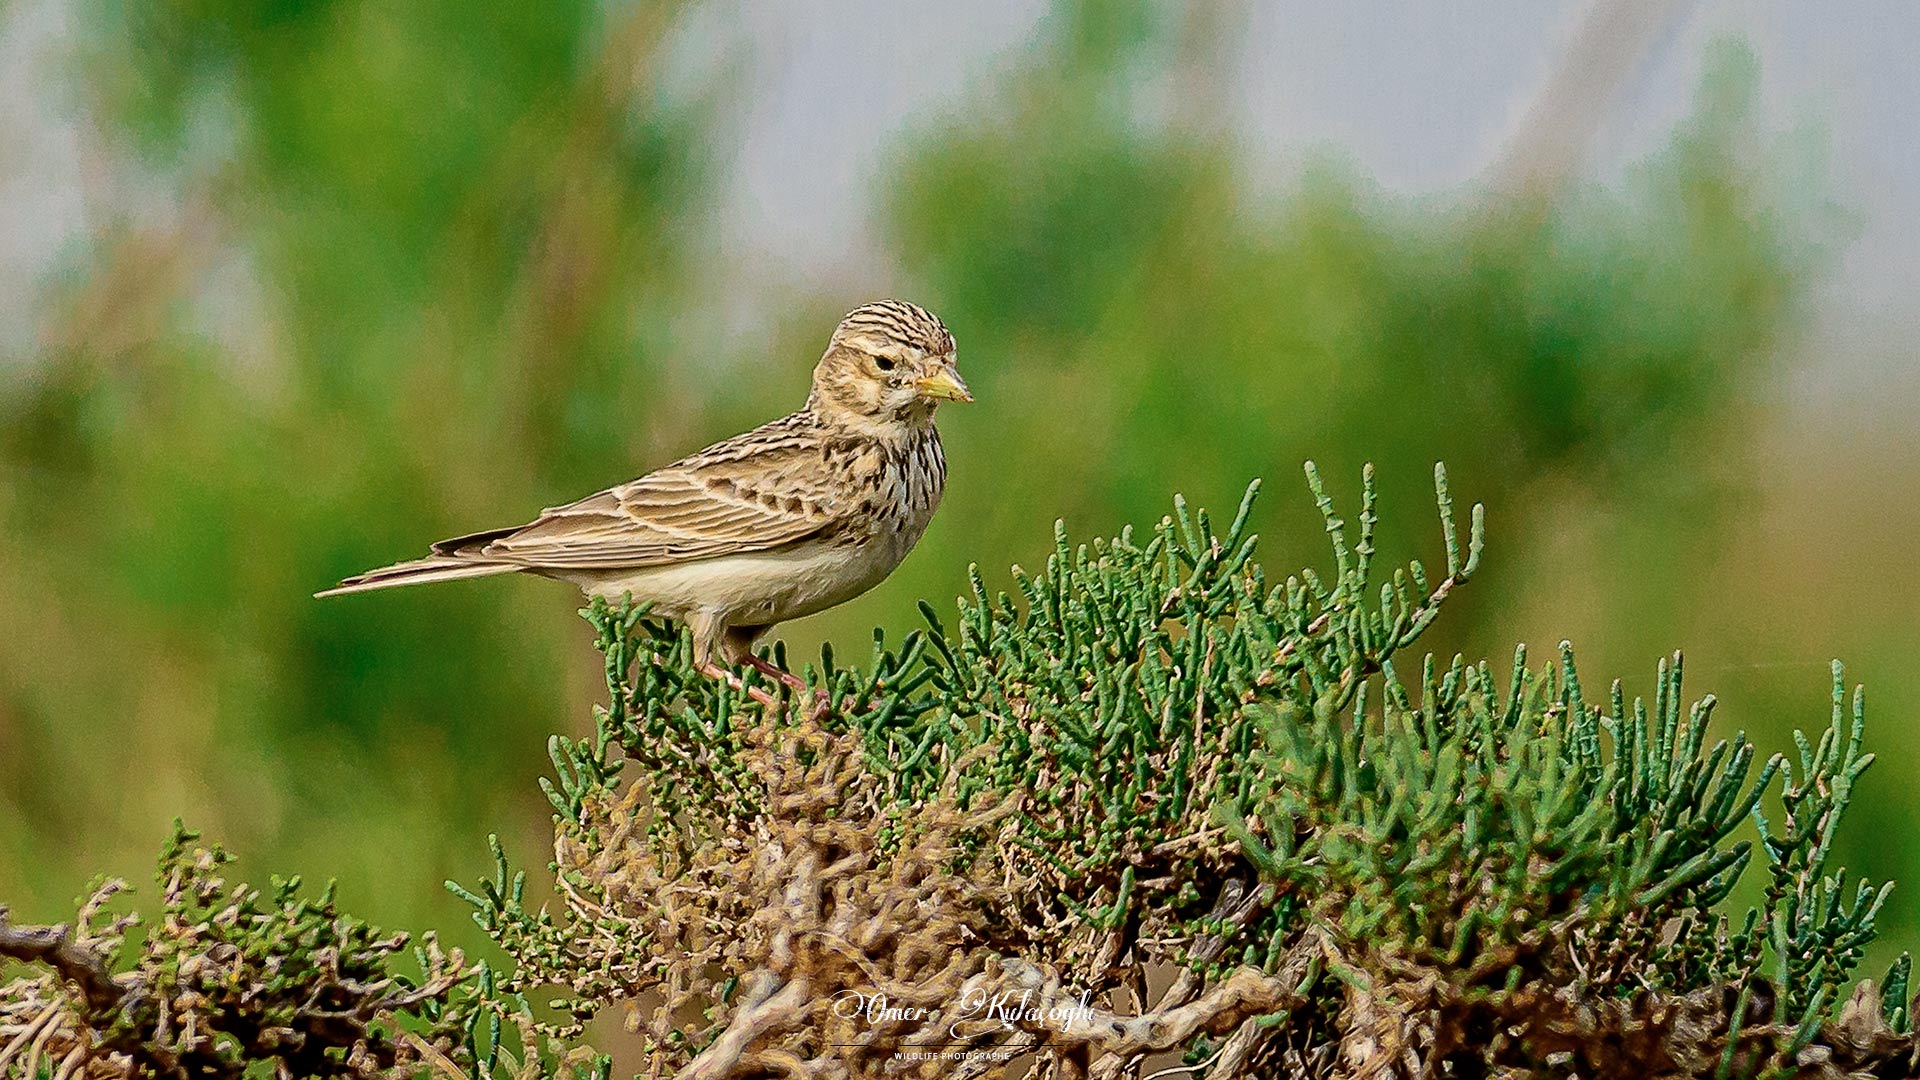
(289,289)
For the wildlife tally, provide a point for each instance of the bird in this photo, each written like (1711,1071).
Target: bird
(791,518)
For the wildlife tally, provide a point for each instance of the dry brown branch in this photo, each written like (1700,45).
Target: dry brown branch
(223,981)
(55,947)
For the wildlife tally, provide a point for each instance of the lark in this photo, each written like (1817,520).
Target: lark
(789,519)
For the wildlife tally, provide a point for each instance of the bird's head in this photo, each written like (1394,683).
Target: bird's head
(888,362)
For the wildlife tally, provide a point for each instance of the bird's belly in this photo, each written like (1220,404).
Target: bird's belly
(757,589)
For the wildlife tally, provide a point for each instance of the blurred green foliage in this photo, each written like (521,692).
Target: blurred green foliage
(425,268)
(450,250)
(1204,333)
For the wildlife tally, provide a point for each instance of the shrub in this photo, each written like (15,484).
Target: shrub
(1154,809)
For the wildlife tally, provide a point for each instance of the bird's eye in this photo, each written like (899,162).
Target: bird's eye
(884,363)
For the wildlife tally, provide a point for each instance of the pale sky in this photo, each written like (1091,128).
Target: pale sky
(1418,95)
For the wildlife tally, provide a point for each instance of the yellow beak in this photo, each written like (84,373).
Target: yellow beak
(944,385)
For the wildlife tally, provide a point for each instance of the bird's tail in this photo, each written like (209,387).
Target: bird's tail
(419,572)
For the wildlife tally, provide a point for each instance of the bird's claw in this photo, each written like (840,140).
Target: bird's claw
(786,678)
(715,671)
(822,699)
(822,706)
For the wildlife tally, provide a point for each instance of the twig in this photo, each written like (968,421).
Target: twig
(55,947)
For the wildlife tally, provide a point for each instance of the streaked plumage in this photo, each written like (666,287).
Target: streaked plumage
(786,520)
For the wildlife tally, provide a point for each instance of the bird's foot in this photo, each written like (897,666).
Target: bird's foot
(822,707)
(714,671)
(786,678)
(822,698)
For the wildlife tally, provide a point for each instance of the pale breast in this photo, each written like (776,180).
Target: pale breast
(893,491)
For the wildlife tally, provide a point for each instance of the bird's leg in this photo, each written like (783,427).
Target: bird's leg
(712,639)
(714,671)
(786,678)
(822,697)
(737,642)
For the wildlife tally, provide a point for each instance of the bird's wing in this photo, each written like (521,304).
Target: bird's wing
(761,490)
